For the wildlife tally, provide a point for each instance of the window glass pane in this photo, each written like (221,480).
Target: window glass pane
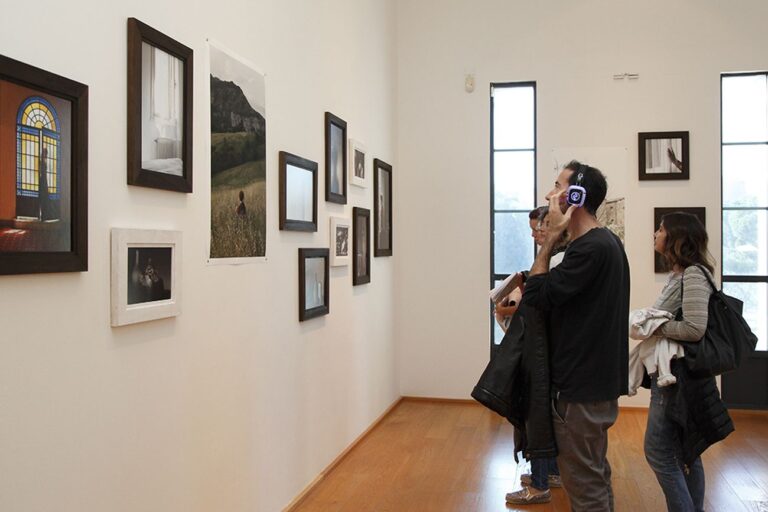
(745,175)
(513,174)
(745,115)
(755,297)
(513,244)
(513,117)
(744,242)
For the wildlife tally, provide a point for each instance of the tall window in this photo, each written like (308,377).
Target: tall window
(513,181)
(744,146)
(37,140)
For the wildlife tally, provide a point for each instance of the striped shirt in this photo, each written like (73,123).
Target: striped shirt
(695,304)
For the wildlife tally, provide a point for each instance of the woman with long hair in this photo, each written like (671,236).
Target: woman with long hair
(673,440)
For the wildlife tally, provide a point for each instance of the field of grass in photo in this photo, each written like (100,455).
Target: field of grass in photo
(231,235)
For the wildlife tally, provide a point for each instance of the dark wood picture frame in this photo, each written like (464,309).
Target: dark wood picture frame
(324,309)
(331,121)
(680,162)
(285,160)
(361,218)
(138,33)
(659,266)
(378,249)
(75,259)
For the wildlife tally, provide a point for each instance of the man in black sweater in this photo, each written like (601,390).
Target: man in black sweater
(587,298)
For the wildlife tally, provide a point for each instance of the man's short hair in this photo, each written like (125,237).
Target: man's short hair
(593,182)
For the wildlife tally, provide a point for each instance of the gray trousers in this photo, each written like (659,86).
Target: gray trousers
(581,432)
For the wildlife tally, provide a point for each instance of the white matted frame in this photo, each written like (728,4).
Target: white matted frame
(356,149)
(125,241)
(340,245)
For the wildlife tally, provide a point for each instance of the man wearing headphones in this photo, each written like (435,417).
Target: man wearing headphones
(587,298)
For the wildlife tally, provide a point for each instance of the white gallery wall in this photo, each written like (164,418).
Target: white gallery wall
(234,405)
(571,50)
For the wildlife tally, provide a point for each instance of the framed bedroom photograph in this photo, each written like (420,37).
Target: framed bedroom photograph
(659,265)
(298,193)
(358,168)
(382,208)
(341,235)
(361,243)
(43,171)
(313,283)
(145,275)
(159,110)
(335,159)
(663,156)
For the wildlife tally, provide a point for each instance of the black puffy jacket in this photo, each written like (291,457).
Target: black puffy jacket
(695,406)
(515,384)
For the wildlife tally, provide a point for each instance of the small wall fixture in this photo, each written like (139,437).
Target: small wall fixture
(630,76)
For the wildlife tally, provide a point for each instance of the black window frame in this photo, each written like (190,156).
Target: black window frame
(493,275)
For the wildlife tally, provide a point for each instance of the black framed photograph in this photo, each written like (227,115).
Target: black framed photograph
(382,208)
(313,283)
(159,110)
(146,275)
(361,243)
(335,159)
(298,193)
(43,171)
(659,265)
(663,156)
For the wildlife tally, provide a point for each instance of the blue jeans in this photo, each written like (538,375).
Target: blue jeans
(683,487)
(540,471)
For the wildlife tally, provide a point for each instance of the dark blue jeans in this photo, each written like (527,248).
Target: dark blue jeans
(683,487)
(540,471)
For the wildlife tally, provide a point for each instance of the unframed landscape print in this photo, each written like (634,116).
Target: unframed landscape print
(238,159)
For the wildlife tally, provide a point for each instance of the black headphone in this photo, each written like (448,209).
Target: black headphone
(577,194)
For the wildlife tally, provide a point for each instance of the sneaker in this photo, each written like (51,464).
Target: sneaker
(552,480)
(528,495)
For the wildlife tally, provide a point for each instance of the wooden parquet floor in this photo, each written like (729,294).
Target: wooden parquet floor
(442,456)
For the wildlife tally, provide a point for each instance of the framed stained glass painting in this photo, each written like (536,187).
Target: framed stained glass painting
(43,171)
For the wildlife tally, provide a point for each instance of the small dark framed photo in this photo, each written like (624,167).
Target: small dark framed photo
(43,171)
(382,207)
(159,110)
(335,159)
(298,193)
(659,264)
(663,156)
(361,254)
(313,283)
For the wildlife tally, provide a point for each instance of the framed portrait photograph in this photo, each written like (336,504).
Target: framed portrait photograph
(341,238)
(145,275)
(298,193)
(43,171)
(159,110)
(313,283)
(361,243)
(358,165)
(382,208)
(659,264)
(663,156)
(335,159)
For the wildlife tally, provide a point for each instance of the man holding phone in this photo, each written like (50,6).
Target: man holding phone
(587,299)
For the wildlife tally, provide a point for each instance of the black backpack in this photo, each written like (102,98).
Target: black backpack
(727,339)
